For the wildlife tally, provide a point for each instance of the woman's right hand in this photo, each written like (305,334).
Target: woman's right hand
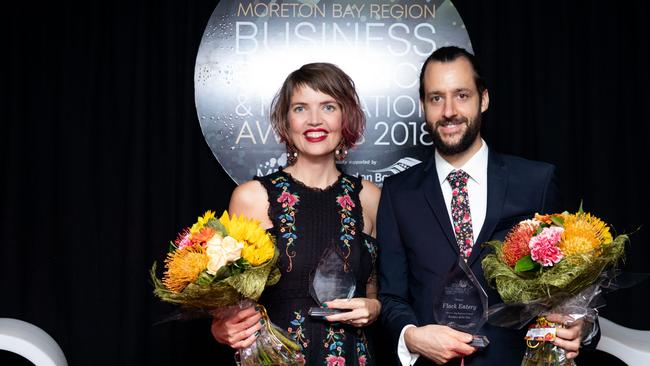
(238,330)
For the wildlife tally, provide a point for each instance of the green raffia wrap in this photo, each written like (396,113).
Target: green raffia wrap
(207,292)
(569,276)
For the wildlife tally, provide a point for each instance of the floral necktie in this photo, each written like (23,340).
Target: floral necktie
(460,213)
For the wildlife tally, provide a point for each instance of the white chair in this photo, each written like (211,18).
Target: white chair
(31,342)
(631,346)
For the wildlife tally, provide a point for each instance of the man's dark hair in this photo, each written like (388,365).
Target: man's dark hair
(449,54)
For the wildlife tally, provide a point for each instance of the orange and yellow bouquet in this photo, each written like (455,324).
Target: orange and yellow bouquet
(553,263)
(221,265)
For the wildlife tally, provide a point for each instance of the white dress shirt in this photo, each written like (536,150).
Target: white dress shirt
(476,168)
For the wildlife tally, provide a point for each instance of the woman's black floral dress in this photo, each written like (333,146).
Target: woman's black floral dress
(305,222)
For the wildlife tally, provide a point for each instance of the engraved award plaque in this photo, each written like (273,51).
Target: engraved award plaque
(463,303)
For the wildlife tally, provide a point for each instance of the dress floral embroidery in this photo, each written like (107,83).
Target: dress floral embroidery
(296,331)
(335,361)
(362,348)
(333,343)
(306,221)
(348,230)
(372,249)
(287,219)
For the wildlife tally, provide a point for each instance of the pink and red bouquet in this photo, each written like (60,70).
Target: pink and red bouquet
(551,264)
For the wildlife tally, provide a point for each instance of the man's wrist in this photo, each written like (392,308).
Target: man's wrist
(408,338)
(406,356)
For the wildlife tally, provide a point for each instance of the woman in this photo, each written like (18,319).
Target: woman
(308,206)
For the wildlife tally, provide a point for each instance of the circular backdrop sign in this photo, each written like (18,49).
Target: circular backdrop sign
(249,48)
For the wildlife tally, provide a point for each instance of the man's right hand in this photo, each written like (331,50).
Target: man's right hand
(238,330)
(438,343)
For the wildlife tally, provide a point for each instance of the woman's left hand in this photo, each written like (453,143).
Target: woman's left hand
(568,337)
(363,312)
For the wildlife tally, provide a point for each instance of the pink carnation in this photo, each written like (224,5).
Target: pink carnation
(543,246)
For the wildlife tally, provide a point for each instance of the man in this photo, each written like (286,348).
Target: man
(424,225)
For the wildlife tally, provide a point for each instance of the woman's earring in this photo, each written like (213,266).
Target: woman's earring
(292,155)
(341,152)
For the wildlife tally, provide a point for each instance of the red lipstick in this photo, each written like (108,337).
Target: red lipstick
(315,135)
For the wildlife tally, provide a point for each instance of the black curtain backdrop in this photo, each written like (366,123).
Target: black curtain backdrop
(103,160)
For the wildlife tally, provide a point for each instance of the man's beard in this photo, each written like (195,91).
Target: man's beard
(466,140)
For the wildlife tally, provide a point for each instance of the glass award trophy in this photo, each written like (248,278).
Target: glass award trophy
(329,281)
(463,303)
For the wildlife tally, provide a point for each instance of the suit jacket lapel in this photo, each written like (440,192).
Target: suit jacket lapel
(496,193)
(433,193)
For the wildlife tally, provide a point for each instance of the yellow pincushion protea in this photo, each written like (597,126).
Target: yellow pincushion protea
(584,233)
(202,220)
(258,246)
(184,266)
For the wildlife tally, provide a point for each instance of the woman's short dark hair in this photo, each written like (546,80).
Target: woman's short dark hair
(328,79)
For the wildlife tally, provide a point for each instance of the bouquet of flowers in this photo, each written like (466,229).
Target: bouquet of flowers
(224,264)
(553,263)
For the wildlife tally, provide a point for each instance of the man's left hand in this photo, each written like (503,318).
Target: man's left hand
(568,337)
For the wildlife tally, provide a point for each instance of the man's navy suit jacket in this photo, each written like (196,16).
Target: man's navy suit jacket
(417,246)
